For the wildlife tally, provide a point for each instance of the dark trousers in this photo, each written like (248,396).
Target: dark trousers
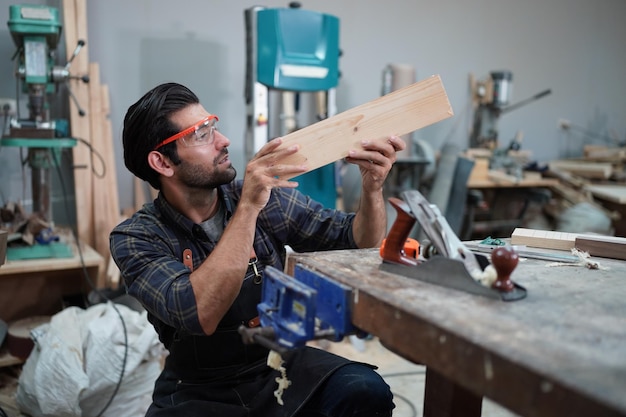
(351,391)
(348,390)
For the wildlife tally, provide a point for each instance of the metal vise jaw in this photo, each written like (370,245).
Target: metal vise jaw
(295,310)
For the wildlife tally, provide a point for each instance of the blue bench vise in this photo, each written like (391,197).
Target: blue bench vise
(298,309)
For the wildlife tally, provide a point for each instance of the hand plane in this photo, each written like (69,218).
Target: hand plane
(295,310)
(445,260)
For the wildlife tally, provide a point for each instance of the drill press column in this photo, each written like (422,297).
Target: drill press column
(36,31)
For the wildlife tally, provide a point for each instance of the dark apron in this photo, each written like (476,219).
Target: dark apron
(244,391)
(219,375)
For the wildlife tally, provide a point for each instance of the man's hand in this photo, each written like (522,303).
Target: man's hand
(262,173)
(375,160)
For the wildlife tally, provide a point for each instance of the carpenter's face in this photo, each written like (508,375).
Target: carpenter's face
(203,150)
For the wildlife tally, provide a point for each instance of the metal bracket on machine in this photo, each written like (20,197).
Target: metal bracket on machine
(295,310)
(453,265)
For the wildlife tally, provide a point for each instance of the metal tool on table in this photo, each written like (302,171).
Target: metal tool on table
(36,31)
(295,310)
(445,260)
(491,100)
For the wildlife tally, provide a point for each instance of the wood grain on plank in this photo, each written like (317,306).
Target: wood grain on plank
(398,113)
(543,239)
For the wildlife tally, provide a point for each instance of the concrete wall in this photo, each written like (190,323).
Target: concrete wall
(574,47)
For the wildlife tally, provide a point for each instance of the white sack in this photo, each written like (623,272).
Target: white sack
(77,360)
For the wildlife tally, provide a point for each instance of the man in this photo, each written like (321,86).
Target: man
(195,257)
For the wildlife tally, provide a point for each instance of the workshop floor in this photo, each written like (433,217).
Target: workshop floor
(405,378)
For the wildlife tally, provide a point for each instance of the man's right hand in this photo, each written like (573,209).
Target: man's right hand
(262,173)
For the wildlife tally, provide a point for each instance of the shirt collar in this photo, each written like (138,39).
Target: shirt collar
(189,226)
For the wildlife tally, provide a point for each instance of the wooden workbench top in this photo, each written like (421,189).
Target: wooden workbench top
(560,351)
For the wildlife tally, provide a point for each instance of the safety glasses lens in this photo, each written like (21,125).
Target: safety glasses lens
(203,134)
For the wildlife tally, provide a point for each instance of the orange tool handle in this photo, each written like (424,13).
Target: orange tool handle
(411,248)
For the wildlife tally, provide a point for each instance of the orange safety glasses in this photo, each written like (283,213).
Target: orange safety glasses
(201,133)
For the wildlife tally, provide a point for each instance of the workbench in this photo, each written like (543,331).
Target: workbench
(507,202)
(41,286)
(561,351)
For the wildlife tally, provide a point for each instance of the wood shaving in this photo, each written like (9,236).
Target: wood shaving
(486,277)
(275,361)
(585,260)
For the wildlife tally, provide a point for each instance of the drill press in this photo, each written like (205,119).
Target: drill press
(491,100)
(36,32)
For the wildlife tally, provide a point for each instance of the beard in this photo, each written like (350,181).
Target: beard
(199,176)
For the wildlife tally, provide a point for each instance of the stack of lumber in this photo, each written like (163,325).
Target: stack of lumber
(599,163)
(97,198)
(598,174)
(582,168)
(599,153)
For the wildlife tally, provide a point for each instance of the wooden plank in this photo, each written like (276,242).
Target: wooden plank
(566,241)
(75,28)
(568,179)
(6,359)
(142,190)
(139,193)
(113,191)
(82,124)
(100,199)
(598,170)
(543,239)
(105,200)
(398,113)
(614,193)
(491,182)
(69,25)
(603,246)
(570,194)
(113,274)
(154,193)
(604,153)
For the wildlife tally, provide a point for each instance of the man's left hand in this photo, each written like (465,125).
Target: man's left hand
(375,159)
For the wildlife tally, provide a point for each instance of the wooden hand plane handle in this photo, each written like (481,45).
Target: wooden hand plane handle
(504,259)
(393,250)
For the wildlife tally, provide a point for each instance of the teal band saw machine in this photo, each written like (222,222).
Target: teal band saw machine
(292,55)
